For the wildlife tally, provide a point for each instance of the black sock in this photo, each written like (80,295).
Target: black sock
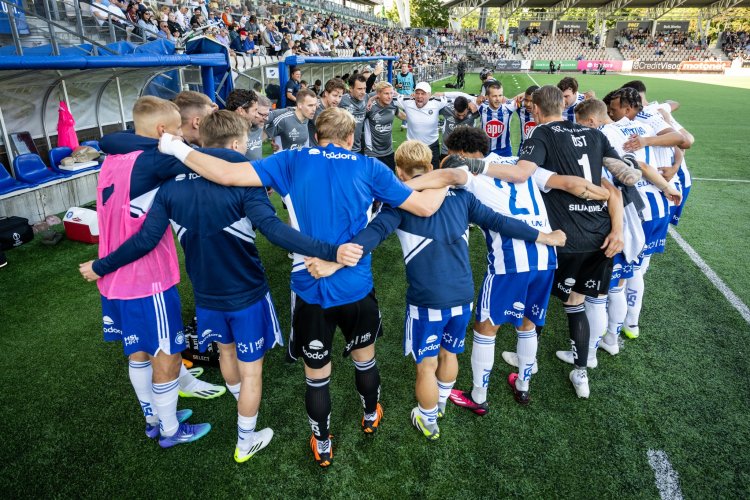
(367,379)
(578,325)
(318,404)
(539,331)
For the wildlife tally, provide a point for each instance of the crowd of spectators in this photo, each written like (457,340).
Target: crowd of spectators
(640,44)
(735,44)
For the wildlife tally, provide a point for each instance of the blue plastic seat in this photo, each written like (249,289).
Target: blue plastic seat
(92,144)
(8,184)
(31,169)
(56,155)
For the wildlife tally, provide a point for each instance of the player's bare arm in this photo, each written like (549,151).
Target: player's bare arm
(424,203)
(438,179)
(578,186)
(666,138)
(614,242)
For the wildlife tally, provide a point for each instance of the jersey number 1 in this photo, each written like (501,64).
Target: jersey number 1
(586,166)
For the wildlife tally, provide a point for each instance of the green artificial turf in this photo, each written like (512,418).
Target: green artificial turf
(73,427)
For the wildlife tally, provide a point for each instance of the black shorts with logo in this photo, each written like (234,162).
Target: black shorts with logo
(587,273)
(313,328)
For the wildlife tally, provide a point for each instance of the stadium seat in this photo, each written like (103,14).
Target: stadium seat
(92,144)
(8,184)
(55,157)
(31,169)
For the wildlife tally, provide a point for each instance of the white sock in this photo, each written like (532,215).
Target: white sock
(444,390)
(526,346)
(482,359)
(617,308)
(635,290)
(245,430)
(596,313)
(429,415)
(140,377)
(235,390)
(165,401)
(187,381)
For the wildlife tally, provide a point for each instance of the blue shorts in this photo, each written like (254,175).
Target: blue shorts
(675,211)
(149,324)
(254,329)
(427,330)
(656,235)
(508,298)
(621,270)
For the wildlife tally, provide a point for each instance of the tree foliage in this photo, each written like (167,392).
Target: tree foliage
(428,14)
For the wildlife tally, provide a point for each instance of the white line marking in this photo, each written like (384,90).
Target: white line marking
(712,276)
(667,479)
(532,79)
(720,180)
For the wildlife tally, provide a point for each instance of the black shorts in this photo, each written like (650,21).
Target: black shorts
(313,328)
(587,273)
(435,148)
(389,161)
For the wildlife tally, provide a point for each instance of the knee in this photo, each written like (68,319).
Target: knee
(138,357)
(427,365)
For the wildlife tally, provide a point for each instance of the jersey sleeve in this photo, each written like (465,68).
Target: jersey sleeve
(378,229)
(534,149)
(608,150)
(385,186)
(168,167)
(142,242)
(507,226)
(270,127)
(261,213)
(541,177)
(274,171)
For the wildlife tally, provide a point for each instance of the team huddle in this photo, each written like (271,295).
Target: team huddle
(576,215)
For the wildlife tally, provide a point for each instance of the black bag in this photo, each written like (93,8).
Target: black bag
(192,353)
(14,231)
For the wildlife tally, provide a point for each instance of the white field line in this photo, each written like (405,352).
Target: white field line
(667,479)
(532,79)
(712,276)
(720,180)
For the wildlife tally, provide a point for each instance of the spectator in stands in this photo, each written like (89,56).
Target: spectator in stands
(226,16)
(164,32)
(252,26)
(196,21)
(147,25)
(244,44)
(182,18)
(174,27)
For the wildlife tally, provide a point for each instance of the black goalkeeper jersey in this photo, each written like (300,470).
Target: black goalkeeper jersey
(569,149)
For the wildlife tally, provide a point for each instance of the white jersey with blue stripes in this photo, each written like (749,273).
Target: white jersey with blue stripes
(527,122)
(683,174)
(522,201)
(570,112)
(496,124)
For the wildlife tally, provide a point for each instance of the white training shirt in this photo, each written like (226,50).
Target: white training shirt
(423,122)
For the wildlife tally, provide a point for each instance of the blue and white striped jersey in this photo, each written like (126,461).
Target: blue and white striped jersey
(569,113)
(496,124)
(522,201)
(527,122)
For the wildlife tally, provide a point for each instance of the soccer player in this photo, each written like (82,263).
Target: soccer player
(288,128)
(378,131)
(569,87)
(625,108)
(460,112)
(593,113)
(140,303)
(441,287)
(496,114)
(334,90)
(247,105)
(345,299)
(487,79)
(216,227)
(355,102)
(519,276)
(526,119)
(422,113)
(594,230)
(194,107)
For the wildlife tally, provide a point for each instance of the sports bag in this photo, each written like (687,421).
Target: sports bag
(14,231)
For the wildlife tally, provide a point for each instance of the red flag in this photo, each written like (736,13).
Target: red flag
(66,127)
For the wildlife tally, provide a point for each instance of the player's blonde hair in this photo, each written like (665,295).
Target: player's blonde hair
(413,157)
(335,125)
(382,86)
(219,129)
(591,108)
(192,104)
(150,110)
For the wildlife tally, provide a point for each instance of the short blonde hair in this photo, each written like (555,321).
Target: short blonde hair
(381,86)
(192,103)
(335,125)
(413,157)
(219,129)
(151,109)
(591,108)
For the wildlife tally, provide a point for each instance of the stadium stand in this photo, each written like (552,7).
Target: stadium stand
(674,46)
(735,44)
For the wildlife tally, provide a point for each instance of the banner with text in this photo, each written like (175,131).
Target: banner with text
(20,17)
(668,26)
(594,65)
(661,65)
(539,25)
(632,26)
(704,66)
(512,65)
(565,65)
(581,26)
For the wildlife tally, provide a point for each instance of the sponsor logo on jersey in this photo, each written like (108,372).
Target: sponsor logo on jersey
(108,321)
(574,207)
(179,338)
(526,150)
(314,355)
(427,349)
(570,281)
(518,306)
(314,151)
(339,156)
(494,128)
(316,345)
(431,339)
(130,340)
(527,129)
(514,314)
(181,177)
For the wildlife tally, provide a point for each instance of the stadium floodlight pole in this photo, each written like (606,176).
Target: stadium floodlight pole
(293,61)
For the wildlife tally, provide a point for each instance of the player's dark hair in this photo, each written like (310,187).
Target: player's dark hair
(568,83)
(531,90)
(468,140)
(357,78)
(294,69)
(335,83)
(629,97)
(460,104)
(304,93)
(608,98)
(494,85)
(637,85)
(241,98)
